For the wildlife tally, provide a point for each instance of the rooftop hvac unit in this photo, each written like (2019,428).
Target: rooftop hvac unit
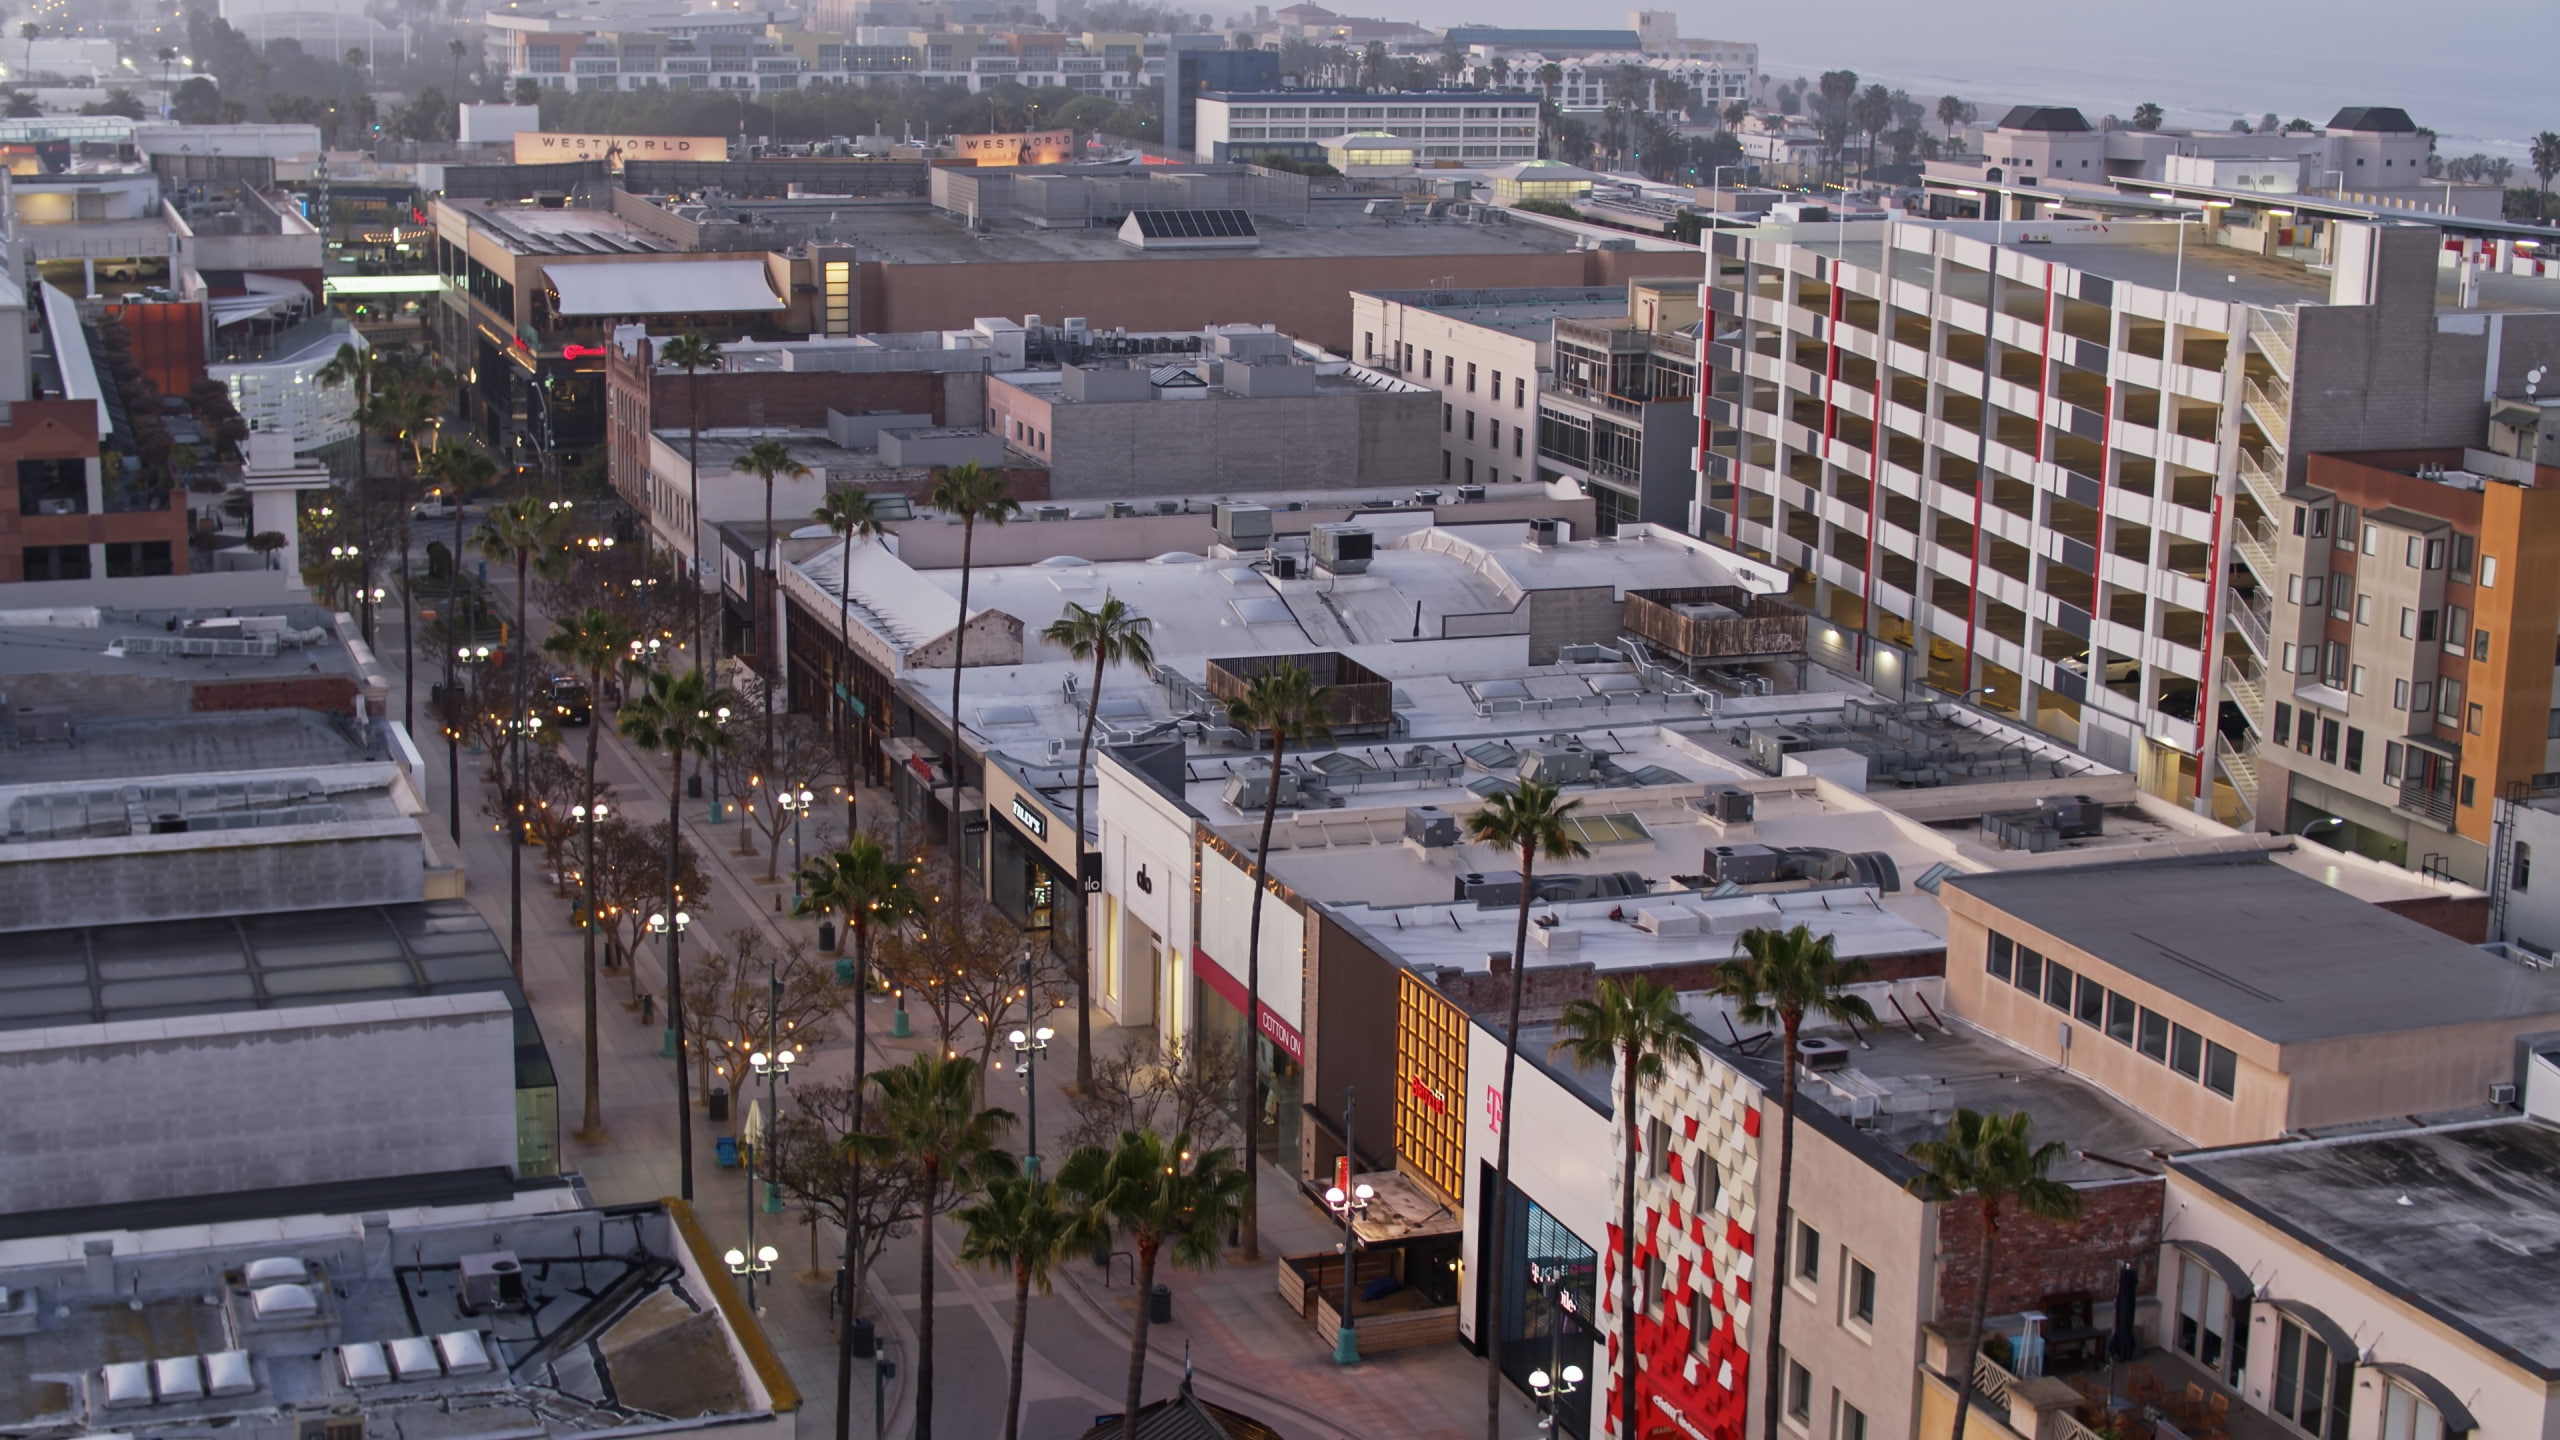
(494,1281)
(1557,765)
(1426,497)
(1284,567)
(2076,816)
(1121,509)
(1430,827)
(1341,549)
(1470,494)
(1053,512)
(1242,527)
(1730,804)
(1821,1052)
(1741,864)
(1546,532)
(1251,789)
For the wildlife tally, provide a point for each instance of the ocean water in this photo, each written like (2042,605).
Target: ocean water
(2480,79)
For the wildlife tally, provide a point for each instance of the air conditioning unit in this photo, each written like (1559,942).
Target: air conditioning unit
(1741,864)
(1557,765)
(1251,789)
(1730,804)
(493,1281)
(1341,549)
(1470,494)
(1430,827)
(1242,527)
(1546,533)
(1284,567)
(1821,1052)
(2502,1094)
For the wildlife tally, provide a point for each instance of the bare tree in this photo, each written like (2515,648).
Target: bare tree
(631,880)
(752,988)
(974,973)
(1179,1090)
(796,752)
(809,1159)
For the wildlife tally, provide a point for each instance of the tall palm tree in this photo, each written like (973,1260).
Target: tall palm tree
(1531,819)
(853,515)
(1023,1226)
(457,49)
(1638,1026)
(676,714)
(2545,159)
(594,640)
(521,532)
(1169,1201)
(969,494)
(456,469)
(693,351)
(353,366)
(1286,704)
(769,460)
(930,1122)
(403,413)
(1786,977)
(866,888)
(1994,1161)
(1111,634)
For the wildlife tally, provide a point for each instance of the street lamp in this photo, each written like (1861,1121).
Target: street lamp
(740,1264)
(1027,1050)
(795,803)
(658,926)
(2323,823)
(1350,1205)
(775,1068)
(1551,1389)
(719,718)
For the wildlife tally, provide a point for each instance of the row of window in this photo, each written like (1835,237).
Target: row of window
(2145,1031)
(2300,737)
(2455,554)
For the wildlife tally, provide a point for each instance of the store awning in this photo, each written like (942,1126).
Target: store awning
(616,288)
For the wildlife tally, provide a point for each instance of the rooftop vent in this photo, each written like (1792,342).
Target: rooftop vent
(1430,827)
(492,1281)
(1341,549)
(1242,527)
(1821,1052)
(1546,532)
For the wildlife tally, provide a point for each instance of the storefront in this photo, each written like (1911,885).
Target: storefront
(1032,859)
(1542,1309)
(1224,959)
(1148,839)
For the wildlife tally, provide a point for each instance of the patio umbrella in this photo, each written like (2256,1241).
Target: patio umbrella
(2122,1344)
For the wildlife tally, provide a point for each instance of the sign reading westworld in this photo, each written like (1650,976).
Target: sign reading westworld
(541,147)
(1038,147)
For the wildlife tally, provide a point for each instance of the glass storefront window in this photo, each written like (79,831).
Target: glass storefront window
(1549,1303)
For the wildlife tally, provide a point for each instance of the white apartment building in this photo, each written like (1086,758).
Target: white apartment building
(1485,127)
(1490,355)
(1717,71)
(2043,461)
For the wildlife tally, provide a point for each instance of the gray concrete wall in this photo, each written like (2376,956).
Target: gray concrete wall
(1581,615)
(213,1104)
(1223,445)
(223,872)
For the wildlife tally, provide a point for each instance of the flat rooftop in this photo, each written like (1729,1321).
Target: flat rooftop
(613,1321)
(142,747)
(918,235)
(248,642)
(2457,1221)
(578,230)
(2277,953)
(811,447)
(1520,310)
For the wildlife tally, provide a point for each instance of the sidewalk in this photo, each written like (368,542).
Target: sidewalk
(1246,1348)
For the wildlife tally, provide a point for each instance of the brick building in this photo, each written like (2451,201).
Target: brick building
(83,507)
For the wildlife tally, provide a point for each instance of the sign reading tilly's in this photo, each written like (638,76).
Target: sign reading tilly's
(542,147)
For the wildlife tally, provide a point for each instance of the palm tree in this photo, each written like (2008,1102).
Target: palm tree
(457,49)
(1159,1194)
(1952,111)
(968,494)
(768,460)
(693,351)
(1530,819)
(353,367)
(520,532)
(1786,976)
(2545,158)
(1638,1025)
(675,713)
(1285,702)
(28,31)
(854,515)
(594,640)
(1550,77)
(1023,1226)
(863,886)
(1113,634)
(457,469)
(929,1121)
(1994,1160)
(404,412)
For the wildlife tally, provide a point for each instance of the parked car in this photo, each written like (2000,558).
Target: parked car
(571,701)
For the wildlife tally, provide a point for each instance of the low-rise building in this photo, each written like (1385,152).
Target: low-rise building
(1490,355)
(1484,127)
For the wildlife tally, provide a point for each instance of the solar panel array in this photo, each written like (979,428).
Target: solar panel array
(1195,224)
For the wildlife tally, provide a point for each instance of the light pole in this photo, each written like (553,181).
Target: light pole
(1028,1047)
(586,818)
(773,1064)
(1558,1380)
(1350,1205)
(2323,823)
(658,926)
(719,718)
(471,657)
(748,1268)
(796,803)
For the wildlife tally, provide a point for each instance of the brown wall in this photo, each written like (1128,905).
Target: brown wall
(2464,918)
(327,694)
(2035,1258)
(1308,297)
(68,430)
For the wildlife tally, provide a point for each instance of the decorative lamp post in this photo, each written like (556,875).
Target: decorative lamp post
(1350,1205)
(658,926)
(1028,1047)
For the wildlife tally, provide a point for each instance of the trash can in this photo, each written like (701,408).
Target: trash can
(693,786)
(718,1100)
(862,1342)
(827,938)
(1160,1306)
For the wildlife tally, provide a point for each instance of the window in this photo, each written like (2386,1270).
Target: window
(2335,671)
(2003,951)
(1799,1393)
(1808,1254)
(2391,753)
(2057,985)
(2030,971)
(2472,720)
(2470,791)
(2221,1069)
(2364,609)
(2520,877)
(2422,697)
(2328,741)
(2287,662)
(1368,344)
(1702,1319)
(53,487)
(1707,1183)
(2120,1017)
(1652,1281)
(2488,572)
(2457,629)
(1493,433)
(2462,552)
(1448,418)
(2205,1333)
(2408,623)
(2400,699)
(2479,644)
(2448,700)
(2186,1051)
(1448,369)
(2341,600)
(2346,527)
(1860,1291)
(1657,1139)
(2355,751)
(1519,394)
(2406,1415)
(2435,554)
(1497,387)
(1426,364)
(56,562)
(1853,1421)
(1471,377)
(1471,424)
(2372,540)
(2155,1035)
(2355,679)
(2090,1005)
(2284,723)
(2309,1390)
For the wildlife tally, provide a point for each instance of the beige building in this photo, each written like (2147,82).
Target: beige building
(1490,355)
(2234,1000)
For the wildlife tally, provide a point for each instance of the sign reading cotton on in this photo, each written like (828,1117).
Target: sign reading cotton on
(542,147)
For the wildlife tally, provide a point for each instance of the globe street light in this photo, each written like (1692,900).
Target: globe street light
(795,803)
(1350,1205)
(1027,1050)
(1551,1389)
(658,926)
(720,719)
(775,1068)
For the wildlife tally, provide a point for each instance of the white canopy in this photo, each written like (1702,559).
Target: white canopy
(617,288)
